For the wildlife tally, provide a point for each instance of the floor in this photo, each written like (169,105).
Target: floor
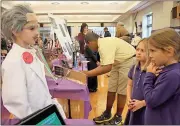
(98,102)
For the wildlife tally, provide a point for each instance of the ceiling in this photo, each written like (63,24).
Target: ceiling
(79,11)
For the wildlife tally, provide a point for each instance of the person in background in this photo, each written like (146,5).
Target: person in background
(136,40)
(81,37)
(92,64)
(90,30)
(122,33)
(24,87)
(45,43)
(162,85)
(89,54)
(116,56)
(4,48)
(135,97)
(106,32)
(40,42)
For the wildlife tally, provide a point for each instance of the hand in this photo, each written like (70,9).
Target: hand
(129,104)
(98,63)
(86,72)
(137,104)
(154,69)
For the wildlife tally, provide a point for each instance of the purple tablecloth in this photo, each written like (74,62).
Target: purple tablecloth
(70,90)
(67,121)
(79,122)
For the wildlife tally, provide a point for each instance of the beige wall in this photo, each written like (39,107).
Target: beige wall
(128,23)
(75,29)
(161,16)
(89,24)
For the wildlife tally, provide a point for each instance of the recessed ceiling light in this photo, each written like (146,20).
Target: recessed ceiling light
(114,3)
(84,3)
(55,3)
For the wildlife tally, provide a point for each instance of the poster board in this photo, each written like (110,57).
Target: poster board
(72,75)
(60,28)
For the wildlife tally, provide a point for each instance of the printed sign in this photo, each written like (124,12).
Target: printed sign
(60,28)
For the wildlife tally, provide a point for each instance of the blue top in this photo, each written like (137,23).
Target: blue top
(138,77)
(162,96)
(135,74)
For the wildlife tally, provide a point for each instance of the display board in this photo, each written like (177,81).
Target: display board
(60,28)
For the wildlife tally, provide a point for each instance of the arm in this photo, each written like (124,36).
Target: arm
(14,90)
(130,82)
(165,88)
(99,70)
(129,89)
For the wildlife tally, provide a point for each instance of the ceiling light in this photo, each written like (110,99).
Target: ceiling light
(84,3)
(114,3)
(55,3)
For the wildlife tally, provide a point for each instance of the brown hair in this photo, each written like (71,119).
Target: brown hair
(83,27)
(164,38)
(121,31)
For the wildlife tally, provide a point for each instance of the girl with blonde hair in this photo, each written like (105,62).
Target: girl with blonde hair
(162,92)
(135,98)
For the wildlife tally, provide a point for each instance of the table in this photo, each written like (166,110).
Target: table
(70,90)
(57,62)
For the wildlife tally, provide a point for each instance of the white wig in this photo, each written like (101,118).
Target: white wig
(14,19)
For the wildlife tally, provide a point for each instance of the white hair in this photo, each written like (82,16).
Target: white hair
(14,19)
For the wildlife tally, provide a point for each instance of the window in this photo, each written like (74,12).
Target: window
(149,24)
(100,30)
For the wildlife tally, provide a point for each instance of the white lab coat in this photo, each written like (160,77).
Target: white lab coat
(24,88)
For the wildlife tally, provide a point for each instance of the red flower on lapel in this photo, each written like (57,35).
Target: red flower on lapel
(27,57)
